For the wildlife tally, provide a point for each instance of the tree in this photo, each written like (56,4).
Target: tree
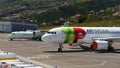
(81,19)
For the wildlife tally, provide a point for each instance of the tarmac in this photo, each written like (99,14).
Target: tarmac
(46,55)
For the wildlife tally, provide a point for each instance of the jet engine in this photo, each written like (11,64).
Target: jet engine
(99,45)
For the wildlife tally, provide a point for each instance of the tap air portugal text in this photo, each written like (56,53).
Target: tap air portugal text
(100,38)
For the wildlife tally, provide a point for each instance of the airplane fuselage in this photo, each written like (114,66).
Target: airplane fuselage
(81,35)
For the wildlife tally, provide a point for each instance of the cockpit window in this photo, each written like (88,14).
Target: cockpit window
(51,32)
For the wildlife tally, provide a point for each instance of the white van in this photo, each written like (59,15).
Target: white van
(7,56)
(10,64)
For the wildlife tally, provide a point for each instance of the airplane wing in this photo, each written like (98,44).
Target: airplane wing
(108,39)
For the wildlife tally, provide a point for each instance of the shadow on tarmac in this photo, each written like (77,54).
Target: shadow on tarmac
(67,51)
(84,49)
(104,51)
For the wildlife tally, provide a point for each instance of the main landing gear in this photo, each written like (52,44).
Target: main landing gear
(60,47)
(110,48)
(11,39)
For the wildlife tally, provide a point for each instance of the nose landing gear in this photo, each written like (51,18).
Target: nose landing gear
(60,47)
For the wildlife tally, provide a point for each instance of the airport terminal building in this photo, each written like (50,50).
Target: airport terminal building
(8,26)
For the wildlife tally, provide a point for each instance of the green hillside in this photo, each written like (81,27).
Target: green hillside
(104,23)
(23,8)
(93,10)
(55,12)
(16,6)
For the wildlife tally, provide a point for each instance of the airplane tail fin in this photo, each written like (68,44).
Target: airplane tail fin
(66,24)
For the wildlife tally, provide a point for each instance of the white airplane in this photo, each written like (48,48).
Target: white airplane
(36,34)
(100,38)
(21,35)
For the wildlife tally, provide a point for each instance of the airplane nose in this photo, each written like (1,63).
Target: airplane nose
(48,38)
(43,38)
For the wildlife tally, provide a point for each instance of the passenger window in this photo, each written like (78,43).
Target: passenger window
(54,32)
(48,32)
(51,32)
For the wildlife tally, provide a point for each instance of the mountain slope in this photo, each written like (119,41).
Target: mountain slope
(48,11)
